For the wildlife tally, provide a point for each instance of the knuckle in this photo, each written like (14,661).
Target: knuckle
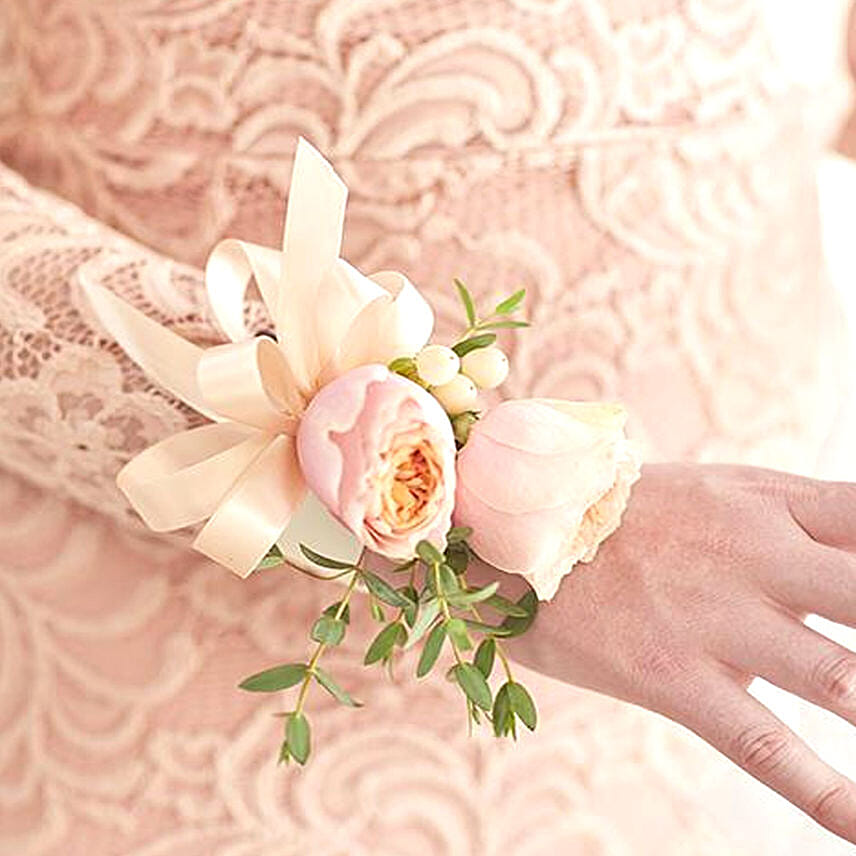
(830,804)
(834,679)
(761,750)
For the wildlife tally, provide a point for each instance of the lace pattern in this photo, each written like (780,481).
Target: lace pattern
(638,166)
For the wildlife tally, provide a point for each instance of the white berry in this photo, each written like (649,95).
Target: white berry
(456,396)
(437,364)
(486,367)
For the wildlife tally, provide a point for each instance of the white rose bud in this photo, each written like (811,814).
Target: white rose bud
(456,396)
(486,367)
(437,364)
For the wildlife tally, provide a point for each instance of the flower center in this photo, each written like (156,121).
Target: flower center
(409,486)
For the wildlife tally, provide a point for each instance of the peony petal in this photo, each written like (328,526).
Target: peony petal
(334,410)
(580,469)
(526,544)
(539,426)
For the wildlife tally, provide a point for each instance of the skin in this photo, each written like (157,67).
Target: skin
(705,585)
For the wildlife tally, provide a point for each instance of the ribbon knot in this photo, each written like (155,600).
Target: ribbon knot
(241,473)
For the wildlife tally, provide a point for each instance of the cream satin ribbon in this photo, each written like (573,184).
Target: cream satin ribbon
(242,473)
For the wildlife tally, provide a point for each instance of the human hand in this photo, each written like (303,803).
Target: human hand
(705,585)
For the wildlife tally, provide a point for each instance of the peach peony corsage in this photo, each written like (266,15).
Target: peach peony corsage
(563,484)
(344,430)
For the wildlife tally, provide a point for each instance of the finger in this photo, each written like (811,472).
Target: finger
(820,579)
(744,730)
(787,653)
(826,510)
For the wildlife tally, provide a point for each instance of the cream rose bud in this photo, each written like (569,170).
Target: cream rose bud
(486,367)
(437,364)
(378,451)
(542,483)
(456,396)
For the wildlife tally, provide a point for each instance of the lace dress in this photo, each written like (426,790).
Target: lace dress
(641,167)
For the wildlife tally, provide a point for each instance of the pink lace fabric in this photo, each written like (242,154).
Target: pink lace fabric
(639,167)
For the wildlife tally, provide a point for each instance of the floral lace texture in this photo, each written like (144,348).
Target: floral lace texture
(638,166)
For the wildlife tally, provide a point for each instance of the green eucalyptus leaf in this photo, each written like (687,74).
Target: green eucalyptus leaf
(431,650)
(400,365)
(502,714)
(271,559)
(284,755)
(382,590)
(483,340)
(377,611)
(297,737)
(510,304)
(410,611)
(485,655)
(275,679)
(324,561)
(462,425)
(506,606)
(384,642)
(522,704)
(467,300)
(424,619)
(328,630)
(406,566)
(516,626)
(457,631)
(326,681)
(474,684)
(504,325)
(458,557)
(333,608)
(466,598)
(458,533)
(448,580)
(487,629)
(429,553)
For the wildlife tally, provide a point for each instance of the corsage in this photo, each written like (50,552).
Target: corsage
(346,432)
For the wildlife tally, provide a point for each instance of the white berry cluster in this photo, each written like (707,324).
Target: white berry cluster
(455,381)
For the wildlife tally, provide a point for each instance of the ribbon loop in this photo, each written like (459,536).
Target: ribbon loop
(250,382)
(228,271)
(242,473)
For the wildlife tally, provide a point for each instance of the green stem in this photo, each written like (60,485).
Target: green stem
(444,607)
(322,646)
(499,651)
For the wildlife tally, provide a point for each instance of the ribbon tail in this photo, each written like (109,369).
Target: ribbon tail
(255,512)
(228,271)
(167,358)
(312,241)
(181,480)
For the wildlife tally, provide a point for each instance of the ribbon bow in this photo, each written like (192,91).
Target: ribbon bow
(242,473)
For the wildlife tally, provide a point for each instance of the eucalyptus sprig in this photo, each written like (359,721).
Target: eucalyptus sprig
(478,332)
(435,608)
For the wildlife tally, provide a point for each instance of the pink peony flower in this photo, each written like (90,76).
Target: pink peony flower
(379,452)
(542,483)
